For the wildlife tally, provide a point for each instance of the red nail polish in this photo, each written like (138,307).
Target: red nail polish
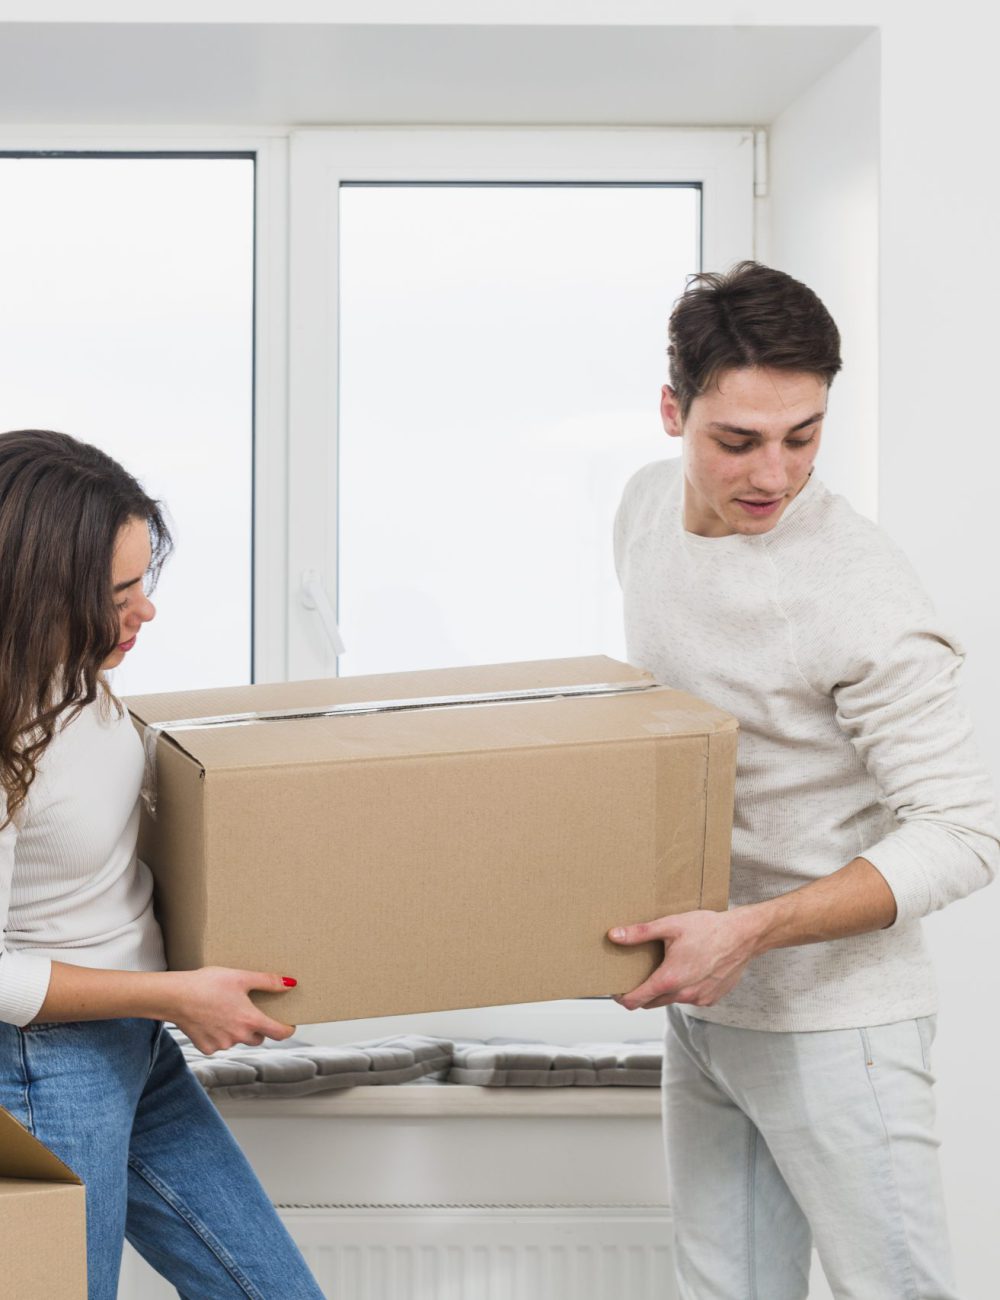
(288,982)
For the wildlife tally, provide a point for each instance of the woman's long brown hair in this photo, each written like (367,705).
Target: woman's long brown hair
(62,506)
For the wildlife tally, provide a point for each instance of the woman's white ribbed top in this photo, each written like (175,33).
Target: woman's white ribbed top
(71,888)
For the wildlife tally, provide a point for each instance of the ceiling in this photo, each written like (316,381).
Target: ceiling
(139,74)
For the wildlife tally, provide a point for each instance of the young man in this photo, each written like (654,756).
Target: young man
(797,1077)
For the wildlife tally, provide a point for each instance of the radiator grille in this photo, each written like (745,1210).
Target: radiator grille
(488,1253)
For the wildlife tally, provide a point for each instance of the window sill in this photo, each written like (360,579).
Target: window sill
(451,1101)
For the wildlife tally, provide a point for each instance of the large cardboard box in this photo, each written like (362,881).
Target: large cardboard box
(409,853)
(43,1225)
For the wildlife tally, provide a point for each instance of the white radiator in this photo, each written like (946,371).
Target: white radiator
(444,1252)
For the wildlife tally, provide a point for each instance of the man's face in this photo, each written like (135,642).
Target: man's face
(749,445)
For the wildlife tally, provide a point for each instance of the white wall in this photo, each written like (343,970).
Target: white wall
(939,466)
(939,456)
(821,225)
(928,316)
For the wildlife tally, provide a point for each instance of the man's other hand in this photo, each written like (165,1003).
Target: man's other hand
(706,955)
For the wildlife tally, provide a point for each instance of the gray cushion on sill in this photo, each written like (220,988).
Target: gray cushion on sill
(514,1063)
(294,1068)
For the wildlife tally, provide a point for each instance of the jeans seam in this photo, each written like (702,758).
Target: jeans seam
(153,1053)
(751,1179)
(195,1224)
(23,1053)
(922,1024)
(912,1293)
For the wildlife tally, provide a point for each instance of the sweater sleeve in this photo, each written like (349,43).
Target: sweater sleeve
(623,524)
(900,709)
(24,976)
(642,498)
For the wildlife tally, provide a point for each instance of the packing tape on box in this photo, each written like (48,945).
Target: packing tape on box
(155,729)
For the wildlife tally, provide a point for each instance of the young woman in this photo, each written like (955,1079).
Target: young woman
(84,1062)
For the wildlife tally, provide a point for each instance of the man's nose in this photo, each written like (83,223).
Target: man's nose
(767,472)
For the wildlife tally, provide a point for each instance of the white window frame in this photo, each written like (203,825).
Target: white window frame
(270,400)
(298,177)
(322,159)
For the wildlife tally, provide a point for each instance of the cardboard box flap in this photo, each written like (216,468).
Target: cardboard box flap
(23,1156)
(518,724)
(154,712)
(379,727)
(473,679)
(476,709)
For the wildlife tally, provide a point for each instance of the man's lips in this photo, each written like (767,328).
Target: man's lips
(754,507)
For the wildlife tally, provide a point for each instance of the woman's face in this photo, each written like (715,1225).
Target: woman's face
(128,569)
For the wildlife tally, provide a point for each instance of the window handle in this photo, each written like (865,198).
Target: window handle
(314,596)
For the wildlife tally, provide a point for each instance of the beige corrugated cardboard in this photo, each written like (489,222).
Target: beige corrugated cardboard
(43,1231)
(436,857)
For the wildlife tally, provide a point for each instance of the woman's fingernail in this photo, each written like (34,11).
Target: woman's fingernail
(288,982)
(618,934)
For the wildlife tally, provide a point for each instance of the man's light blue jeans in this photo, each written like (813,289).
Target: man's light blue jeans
(778,1141)
(116,1101)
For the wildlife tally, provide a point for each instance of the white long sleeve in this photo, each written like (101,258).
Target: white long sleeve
(71,888)
(819,638)
(24,976)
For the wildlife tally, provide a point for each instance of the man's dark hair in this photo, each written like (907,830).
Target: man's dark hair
(751,315)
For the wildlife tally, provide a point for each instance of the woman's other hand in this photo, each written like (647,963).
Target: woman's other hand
(213,1007)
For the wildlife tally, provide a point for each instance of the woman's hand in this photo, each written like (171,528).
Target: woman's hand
(212,1006)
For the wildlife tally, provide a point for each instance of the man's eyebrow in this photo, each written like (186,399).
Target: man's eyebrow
(756,433)
(124,586)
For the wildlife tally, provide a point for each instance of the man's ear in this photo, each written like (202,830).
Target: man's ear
(670,412)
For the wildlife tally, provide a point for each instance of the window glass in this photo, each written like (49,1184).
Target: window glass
(502,351)
(126,319)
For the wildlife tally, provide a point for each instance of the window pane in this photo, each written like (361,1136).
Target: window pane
(502,351)
(126,319)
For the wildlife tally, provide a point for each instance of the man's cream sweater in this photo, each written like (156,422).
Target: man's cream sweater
(818,637)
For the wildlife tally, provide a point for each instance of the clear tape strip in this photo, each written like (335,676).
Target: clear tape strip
(155,729)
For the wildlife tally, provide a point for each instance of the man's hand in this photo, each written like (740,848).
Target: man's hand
(707,952)
(706,955)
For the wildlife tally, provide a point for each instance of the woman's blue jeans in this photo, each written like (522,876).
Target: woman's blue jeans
(116,1101)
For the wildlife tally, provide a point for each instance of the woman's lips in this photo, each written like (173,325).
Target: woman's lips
(126,645)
